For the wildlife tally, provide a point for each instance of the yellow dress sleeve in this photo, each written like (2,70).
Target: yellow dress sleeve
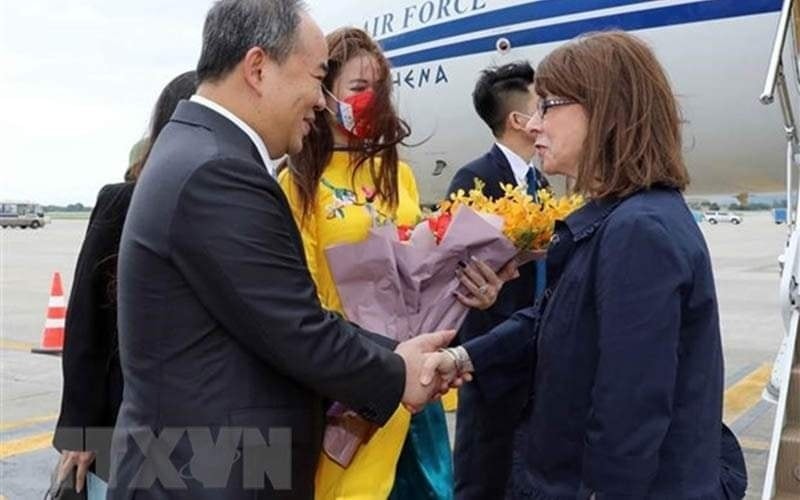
(408,210)
(306,224)
(409,181)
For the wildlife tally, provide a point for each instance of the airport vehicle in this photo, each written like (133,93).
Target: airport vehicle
(779,215)
(22,214)
(716,52)
(716,217)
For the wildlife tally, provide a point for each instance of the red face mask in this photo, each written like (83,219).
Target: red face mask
(352,113)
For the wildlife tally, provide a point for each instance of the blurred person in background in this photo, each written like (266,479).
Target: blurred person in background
(93,383)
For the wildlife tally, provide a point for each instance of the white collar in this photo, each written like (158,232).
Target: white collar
(254,137)
(518,165)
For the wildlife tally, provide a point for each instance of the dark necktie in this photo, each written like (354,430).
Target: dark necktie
(541,268)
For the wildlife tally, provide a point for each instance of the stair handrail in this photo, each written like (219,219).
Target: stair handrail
(768,95)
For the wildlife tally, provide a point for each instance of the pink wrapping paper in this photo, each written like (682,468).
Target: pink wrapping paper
(401,290)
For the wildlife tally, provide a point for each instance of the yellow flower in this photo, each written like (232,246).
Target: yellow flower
(527,223)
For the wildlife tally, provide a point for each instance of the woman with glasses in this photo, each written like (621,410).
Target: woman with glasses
(624,352)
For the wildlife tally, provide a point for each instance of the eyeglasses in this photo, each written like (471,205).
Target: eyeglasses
(525,116)
(544,104)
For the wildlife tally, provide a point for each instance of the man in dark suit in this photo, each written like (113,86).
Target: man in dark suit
(223,344)
(504,98)
(92,387)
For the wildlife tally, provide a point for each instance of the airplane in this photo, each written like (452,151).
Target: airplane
(715,52)
(720,55)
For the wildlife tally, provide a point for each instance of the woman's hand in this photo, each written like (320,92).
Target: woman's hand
(509,272)
(483,284)
(80,459)
(442,366)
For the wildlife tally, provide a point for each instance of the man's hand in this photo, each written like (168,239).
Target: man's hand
(80,459)
(413,352)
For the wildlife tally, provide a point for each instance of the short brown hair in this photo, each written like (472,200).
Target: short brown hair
(634,134)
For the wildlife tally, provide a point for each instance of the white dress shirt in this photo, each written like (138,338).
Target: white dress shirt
(257,141)
(518,165)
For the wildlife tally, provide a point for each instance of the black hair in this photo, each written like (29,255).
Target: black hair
(494,89)
(181,87)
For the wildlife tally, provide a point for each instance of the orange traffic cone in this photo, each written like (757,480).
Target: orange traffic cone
(53,336)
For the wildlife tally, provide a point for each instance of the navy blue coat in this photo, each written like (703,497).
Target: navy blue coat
(626,362)
(484,435)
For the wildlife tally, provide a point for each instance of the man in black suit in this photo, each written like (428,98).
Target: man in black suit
(504,98)
(220,328)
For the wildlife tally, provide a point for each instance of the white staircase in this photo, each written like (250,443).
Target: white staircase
(782,481)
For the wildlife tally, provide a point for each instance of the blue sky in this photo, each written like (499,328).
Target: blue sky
(79,80)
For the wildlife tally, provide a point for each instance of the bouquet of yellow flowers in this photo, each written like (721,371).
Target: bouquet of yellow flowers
(527,223)
(400,281)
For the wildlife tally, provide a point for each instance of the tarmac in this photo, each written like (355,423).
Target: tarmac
(745,267)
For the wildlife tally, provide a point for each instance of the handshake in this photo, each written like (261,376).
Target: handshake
(430,370)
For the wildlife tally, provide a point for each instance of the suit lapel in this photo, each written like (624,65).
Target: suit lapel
(503,168)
